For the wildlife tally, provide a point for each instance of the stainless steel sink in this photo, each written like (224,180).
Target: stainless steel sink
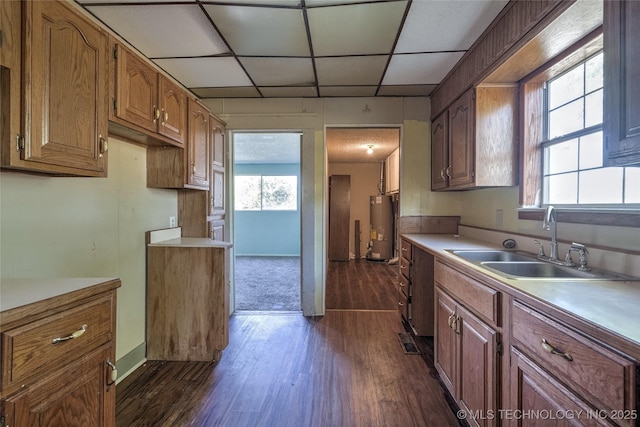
(492,255)
(521,265)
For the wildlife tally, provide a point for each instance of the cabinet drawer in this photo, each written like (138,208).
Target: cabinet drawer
(43,346)
(606,379)
(406,249)
(405,268)
(484,300)
(405,285)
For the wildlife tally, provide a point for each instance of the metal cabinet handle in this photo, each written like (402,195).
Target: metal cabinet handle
(554,350)
(74,335)
(156,114)
(103,145)
(193,168)
(448,171)
(450,320)
(114,372)
(442,173)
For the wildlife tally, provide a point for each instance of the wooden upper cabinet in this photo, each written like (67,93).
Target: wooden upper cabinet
(136,90)
(197,159)
(172,102)
(621,89)
(146,101)
(64,121)
(218,170)
(461,142)
(440,151)
(474,141)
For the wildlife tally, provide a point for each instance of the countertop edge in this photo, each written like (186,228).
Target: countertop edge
(535,291)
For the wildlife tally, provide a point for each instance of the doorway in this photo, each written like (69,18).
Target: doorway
(369,157)
(266,221)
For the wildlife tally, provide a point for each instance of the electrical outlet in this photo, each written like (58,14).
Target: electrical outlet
(172,221)
(498,217)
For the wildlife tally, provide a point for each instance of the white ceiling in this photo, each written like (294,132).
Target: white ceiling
(300,48)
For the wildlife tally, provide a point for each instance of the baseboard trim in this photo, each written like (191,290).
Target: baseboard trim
(131,361)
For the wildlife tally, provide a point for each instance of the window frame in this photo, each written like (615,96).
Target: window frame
(532,122)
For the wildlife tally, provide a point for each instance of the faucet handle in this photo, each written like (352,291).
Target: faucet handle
(541,250)
(582,255)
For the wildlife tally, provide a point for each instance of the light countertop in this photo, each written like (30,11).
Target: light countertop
(193,242)
(612,305)
(18,292)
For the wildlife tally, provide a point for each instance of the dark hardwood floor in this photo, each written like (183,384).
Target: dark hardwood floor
(361,285)
(346,368)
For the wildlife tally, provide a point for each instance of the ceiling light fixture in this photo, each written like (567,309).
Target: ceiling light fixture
(370,149)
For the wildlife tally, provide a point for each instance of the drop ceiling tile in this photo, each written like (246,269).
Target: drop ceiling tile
(121,2)
(262,31)
(205,72)
(406,90)
(358,29)
(420,69)
(289,92)
(315,3)
(148,28)
(279,71)
(348,90)
(355,70)
(434,25)
(226,92)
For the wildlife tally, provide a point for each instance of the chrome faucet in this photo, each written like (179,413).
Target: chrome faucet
(550,223)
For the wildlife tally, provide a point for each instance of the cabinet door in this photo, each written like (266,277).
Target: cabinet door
(533,391)
(79,395)
(197,159)
(461,141)
(10,72)
(173,110)
(477,368)
(446,341)
(136,90)
(218,171)
(439,151)
(65,90)
(422,292)
(621,89)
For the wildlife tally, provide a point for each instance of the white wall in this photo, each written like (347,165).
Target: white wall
(93,227)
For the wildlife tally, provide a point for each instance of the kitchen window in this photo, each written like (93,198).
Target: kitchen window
(562,144)
(266,193)
(573,172)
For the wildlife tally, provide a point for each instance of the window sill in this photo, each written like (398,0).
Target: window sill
(594,216)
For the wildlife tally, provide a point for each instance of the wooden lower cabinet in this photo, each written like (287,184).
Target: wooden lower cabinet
(558,368)
(187,300)
(536,396)
(415,288)
(58,357)
(79,395)
(465,357)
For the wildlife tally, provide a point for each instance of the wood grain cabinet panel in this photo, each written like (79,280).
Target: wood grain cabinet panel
(145,101)
(474,141)
(64,100)
(600,376)
(187,303)
(466,358)
(188,167)
(52,375)
(415,288)
(621,89)
(467,342)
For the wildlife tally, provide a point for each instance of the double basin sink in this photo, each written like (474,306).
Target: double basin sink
(521,265)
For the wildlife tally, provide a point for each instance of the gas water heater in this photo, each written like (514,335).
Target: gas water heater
(381,237)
